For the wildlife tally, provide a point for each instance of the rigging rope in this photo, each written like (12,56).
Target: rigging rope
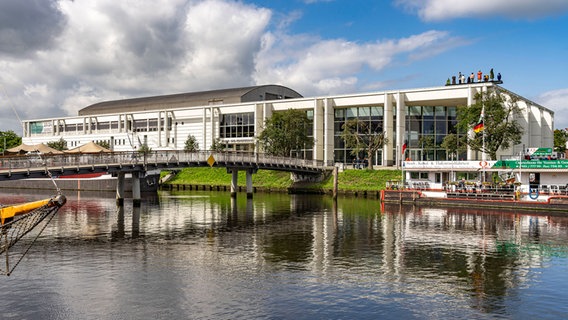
(21,225)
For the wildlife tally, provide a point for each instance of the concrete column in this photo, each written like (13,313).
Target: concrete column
(258,124)
(328,134)
(234,182)
(400,126)
(388,120)
(212,123)
(318,130)
(136,197)
(120,189)
(205,146)
(159,128)
(249,184)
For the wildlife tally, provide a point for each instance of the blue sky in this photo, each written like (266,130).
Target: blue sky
(57,57)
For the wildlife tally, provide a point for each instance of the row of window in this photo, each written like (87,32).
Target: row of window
(237,125)
(426,127)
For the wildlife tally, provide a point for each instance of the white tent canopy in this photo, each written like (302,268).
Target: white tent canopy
(89,147)
(25,148)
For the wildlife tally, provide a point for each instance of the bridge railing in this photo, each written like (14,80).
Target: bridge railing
(156,157)
(230,157)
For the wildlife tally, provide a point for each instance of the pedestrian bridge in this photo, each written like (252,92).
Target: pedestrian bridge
(138,163)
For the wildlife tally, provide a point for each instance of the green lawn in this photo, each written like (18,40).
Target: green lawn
(352,180)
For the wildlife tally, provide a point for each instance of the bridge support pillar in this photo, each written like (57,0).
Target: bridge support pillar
(249,183)
(120,189)
(234,182)
(136,197)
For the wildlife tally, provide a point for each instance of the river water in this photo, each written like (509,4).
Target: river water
(202,255)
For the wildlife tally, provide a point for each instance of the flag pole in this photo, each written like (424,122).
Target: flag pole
(483,155)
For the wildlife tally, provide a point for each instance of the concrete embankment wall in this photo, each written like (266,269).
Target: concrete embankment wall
(65,184)
(293,190)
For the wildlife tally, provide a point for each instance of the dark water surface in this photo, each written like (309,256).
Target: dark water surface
(186,255)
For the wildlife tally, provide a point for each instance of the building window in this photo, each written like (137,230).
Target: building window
(419,175)
(426,128)
(374,115)
(237,125)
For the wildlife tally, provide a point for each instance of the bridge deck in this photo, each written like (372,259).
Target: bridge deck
(22,167)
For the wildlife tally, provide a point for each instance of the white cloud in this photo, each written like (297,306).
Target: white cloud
(434,10)
(557,101)
(93,51)
(117,49)
(331,66)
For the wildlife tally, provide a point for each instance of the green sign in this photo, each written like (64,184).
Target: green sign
(539,152)
(531,164)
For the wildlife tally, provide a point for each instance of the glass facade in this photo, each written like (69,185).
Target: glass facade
(426,127)
(306,152)
(237,125)
(372,115)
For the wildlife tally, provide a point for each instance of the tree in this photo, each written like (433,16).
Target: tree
(360,136)
(191,144)
(285,132)
(454,145)
(103,143)
(560,138)
(500,129)
(60,144)
(9,139)
(217,145)
(144,148)
(428,144)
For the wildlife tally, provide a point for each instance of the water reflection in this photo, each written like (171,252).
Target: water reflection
(220,257)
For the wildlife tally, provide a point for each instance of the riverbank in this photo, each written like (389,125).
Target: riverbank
(350,182)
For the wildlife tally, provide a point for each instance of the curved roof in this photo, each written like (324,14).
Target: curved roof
(192,99)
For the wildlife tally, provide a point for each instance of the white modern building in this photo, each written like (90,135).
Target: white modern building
(235,117)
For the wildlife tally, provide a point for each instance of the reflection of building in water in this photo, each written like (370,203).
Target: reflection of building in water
(473,252)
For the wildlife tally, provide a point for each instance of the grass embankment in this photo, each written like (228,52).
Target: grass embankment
(348,180)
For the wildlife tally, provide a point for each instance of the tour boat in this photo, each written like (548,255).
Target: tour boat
(535,184)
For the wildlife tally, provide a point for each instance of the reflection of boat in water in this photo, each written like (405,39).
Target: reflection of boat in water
(96,181)
(477,198)
(18,220)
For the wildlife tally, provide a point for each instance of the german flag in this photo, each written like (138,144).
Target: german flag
(478,127)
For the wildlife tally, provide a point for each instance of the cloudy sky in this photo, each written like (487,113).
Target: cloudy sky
(58,56)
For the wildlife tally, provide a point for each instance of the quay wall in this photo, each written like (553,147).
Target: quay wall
(108,184)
